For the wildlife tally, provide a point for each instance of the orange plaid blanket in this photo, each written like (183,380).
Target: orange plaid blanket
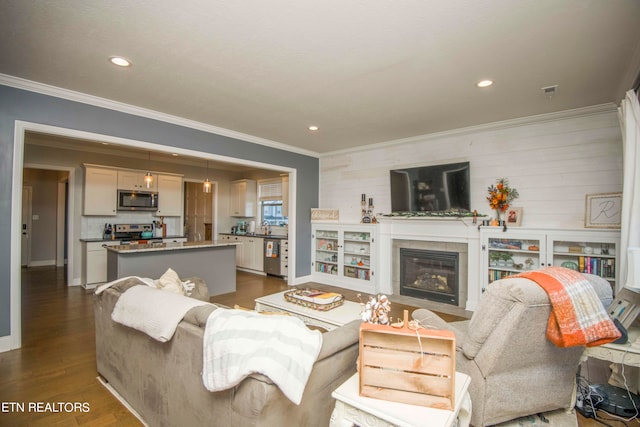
(577,316)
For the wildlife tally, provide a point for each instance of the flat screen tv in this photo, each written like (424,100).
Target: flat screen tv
(434,188)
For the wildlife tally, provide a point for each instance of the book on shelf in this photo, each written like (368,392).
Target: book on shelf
(603,267)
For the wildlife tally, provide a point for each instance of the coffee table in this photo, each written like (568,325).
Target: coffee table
(328,320)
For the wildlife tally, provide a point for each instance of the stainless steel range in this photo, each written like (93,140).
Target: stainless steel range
(131,234)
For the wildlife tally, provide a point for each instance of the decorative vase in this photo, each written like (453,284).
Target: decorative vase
(495,221)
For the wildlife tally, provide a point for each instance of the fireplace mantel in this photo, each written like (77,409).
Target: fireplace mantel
(430,229)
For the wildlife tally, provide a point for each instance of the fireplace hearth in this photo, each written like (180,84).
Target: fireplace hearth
(430,274)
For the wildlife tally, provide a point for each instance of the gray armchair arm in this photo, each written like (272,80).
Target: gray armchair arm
(429,320)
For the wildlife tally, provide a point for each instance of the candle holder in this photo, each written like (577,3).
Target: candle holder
(367,210)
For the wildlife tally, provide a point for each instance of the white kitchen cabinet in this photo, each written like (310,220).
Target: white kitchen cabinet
(134,180)
(170,200)
(100,191)
(344,255)
(233,238)
(243,198)
(94,269)
(284,258)
(521,249)
(250,251)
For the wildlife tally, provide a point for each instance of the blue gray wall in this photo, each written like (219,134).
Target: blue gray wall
(17,104)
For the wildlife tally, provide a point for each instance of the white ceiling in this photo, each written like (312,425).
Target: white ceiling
(364,71)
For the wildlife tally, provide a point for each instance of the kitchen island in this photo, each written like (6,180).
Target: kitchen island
(212,261)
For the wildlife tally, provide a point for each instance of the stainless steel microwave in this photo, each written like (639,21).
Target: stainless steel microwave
(137,200)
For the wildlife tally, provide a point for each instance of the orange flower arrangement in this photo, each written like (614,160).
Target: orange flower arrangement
(501,195)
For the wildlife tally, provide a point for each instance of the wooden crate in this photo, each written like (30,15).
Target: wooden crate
(394,365)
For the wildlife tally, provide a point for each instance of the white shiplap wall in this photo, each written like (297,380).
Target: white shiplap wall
(553,161)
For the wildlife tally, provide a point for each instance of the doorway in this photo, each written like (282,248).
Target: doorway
(44,216)
(199,218)
(73,228)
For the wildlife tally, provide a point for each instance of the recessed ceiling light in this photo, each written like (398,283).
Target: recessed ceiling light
(120,61)
(175,154)
(484,83)
(313,128)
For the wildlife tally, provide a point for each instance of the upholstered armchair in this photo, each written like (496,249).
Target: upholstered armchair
(515,370)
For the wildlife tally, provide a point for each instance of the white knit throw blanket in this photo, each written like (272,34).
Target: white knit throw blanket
(143,281)
(238,343)
(155,312)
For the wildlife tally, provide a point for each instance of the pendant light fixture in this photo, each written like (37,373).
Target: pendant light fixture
(148,178)
(206,186)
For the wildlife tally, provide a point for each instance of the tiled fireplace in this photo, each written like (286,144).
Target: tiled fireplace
(454,244)
(432,275)
(432,271)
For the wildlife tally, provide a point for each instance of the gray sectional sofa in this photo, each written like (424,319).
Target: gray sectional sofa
(162,382)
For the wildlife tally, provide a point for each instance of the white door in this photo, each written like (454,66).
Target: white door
(26,226)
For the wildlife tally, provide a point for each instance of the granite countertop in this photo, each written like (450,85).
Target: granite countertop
(158,247)
(102,239)
(263,236)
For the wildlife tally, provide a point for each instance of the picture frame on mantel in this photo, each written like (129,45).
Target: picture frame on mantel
(325,215)
(514,217)
(603,210)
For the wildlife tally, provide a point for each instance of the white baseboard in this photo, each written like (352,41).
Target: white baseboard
(6,343)
(248,270)
(301,280)
(43,263)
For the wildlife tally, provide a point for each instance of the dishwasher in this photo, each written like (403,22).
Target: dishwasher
(272,257)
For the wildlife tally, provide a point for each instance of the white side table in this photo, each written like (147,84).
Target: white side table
(352,409)
(627,354)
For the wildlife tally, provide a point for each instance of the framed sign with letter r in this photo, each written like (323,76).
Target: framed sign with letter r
(603,210)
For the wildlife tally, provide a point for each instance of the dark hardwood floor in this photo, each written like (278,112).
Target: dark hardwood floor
(56,368)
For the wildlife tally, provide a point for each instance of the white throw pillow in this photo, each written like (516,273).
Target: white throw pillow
(170,281)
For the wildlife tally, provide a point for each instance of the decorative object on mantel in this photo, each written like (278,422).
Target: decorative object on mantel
(451,213)
(499,198)
(325,214)
(367,212)
(514,217)
(376,310)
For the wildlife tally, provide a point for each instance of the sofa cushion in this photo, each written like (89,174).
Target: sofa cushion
(170,281)
(198,315)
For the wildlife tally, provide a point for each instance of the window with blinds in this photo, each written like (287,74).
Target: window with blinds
(270,197)
(270,189)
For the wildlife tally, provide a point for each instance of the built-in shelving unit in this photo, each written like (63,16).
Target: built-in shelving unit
(518,249)
(343,255)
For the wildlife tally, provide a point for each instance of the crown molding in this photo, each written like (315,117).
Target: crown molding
(70,95)
(84,98)
(493,126)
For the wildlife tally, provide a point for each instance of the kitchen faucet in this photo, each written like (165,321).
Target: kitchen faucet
(266,227)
